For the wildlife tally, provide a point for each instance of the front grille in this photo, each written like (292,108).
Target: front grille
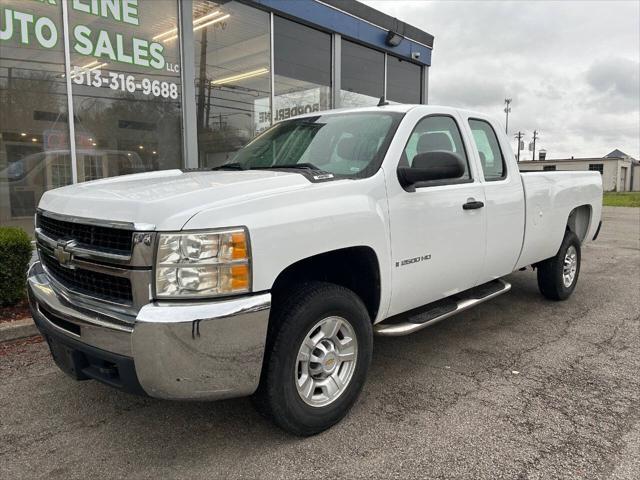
(101,238)
(88,282)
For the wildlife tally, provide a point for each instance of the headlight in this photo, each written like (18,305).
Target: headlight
(202,264)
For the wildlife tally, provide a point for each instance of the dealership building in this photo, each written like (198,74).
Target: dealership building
(97,88)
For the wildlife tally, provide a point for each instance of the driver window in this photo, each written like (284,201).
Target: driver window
(437,132)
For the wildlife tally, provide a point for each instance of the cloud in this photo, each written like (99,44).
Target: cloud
(615,83)
(572,67)
(620,75)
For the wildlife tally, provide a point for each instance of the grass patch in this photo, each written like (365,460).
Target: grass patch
(621,199)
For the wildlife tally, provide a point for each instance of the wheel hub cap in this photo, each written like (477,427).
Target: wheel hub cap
(570,266)
(326,361)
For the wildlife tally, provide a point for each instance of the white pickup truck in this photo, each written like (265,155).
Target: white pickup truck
(269,275)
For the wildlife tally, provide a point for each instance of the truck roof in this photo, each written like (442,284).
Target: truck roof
(395,107)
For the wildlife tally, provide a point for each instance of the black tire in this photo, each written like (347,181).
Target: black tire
(277,396)
(550,271)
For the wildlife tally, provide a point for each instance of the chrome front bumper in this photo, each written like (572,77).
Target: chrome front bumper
(181,351)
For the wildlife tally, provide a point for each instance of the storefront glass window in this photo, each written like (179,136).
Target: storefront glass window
(125,64)
(403,81)
(232,72)
(362,75)
(34,129)
(302,57)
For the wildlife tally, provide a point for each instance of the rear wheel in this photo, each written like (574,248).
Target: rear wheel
(557,276)
(317,358)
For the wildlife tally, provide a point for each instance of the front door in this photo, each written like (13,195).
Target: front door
(438,246)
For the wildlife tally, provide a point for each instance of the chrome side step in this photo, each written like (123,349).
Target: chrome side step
(458,303)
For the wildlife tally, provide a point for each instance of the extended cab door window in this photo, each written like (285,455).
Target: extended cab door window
(436,132)
(491,157)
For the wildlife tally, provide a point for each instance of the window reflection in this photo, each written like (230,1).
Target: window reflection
(126,88)
(362,75)
(232,73)
(403,81)
(302,57)
(34,129)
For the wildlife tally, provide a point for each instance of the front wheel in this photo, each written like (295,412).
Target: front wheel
(317,358)
(557,276)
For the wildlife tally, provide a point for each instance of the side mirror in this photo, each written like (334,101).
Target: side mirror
(436,165)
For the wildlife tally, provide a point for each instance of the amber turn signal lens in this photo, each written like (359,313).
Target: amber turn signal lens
(239,277)
(239,242)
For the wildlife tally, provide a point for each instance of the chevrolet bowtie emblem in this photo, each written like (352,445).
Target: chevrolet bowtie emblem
(62,253)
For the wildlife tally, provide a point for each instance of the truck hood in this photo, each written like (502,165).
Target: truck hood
(167,199)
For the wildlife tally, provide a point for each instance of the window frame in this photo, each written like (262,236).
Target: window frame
(505,170)
(439,183)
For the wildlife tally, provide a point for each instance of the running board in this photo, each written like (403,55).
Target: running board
(438,311)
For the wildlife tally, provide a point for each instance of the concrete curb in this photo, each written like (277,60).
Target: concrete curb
(18,329)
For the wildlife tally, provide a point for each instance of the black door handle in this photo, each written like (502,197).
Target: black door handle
(472,205)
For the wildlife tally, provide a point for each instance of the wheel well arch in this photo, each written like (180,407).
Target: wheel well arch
(355,268)
(579,221)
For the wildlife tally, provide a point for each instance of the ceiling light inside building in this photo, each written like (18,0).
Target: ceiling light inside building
(196,21)
(215,20)
(197,25)
(240,76)
(90,64)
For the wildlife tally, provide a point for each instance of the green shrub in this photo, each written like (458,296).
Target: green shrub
(15,253)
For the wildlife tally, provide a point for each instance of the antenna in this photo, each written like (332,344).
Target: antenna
(383,102)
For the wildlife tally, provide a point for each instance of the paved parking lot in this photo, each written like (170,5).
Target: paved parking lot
(520,387)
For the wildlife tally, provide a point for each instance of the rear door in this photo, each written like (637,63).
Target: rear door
(437,246)
(504,198)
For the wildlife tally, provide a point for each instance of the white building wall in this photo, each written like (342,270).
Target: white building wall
(635,186)
(611,174)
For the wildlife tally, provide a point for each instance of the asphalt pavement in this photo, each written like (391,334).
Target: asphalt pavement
(517,388)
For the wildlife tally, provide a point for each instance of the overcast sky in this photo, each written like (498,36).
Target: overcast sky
(571,67)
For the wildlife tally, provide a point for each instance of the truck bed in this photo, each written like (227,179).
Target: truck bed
(550,197)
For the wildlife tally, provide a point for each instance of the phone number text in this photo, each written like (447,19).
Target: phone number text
(125,83)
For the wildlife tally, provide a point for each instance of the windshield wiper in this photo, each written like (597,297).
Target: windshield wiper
(301,166)
(230,166)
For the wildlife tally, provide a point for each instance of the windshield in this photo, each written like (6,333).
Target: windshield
(349,144)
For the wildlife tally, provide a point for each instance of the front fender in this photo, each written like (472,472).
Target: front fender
(290,226)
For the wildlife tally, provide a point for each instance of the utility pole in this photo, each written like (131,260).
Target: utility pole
(507,109)
(535,137)
(519,136)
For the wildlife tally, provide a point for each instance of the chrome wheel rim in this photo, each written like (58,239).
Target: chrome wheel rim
(570,266)
(326,361)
